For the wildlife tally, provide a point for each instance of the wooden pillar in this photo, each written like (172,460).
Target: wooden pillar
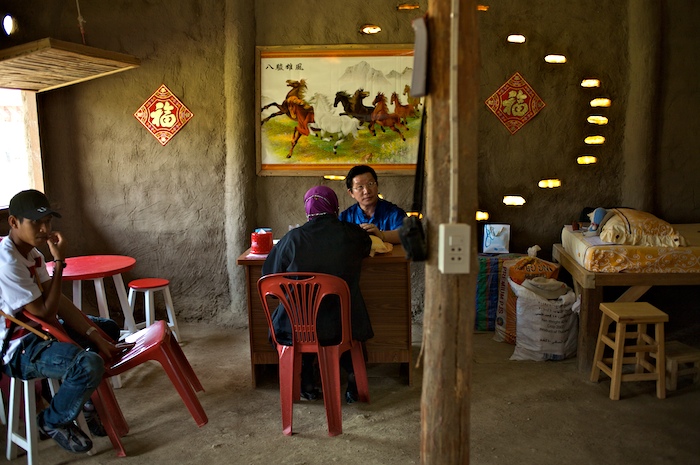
(240,144)
(449,299)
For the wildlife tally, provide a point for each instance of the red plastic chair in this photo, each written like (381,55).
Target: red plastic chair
(152,343)
(301,294)
(103,398)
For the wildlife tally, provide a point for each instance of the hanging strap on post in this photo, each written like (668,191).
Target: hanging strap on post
(411,231)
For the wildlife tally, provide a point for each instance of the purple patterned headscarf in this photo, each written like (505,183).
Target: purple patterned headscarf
(320,200)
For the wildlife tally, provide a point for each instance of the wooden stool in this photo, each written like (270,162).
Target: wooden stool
(149,286)
(681,360)
(645,349)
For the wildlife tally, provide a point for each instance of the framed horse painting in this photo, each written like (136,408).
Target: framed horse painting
(325,109)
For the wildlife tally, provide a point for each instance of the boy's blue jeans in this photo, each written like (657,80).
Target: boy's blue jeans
(80,372)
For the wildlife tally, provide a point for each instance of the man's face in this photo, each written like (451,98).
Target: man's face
(32,232)
(364,190)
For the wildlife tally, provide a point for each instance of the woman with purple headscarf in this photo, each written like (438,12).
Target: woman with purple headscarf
(320,200)
(324,244)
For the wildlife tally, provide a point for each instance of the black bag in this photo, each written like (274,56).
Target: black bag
(411,232)
(413,239)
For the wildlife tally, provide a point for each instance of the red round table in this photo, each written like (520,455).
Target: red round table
(96,268)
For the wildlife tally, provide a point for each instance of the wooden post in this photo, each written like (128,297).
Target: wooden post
(449,299)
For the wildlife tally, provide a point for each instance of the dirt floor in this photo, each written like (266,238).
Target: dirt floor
(522,413)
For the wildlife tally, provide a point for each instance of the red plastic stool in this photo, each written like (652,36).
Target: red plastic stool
(149,286)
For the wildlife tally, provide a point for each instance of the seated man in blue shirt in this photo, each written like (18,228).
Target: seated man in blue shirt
(376,216)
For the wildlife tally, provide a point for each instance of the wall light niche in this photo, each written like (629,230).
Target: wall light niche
(513,200)
(586,160)
(334,177)
(601,102)
(482,216)
(594,140)
(590,82)
(370,29)
(9,24)
(549,183)
(516,39)
(557,59)
(597,119)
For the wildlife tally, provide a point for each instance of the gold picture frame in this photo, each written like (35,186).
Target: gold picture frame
(324,109)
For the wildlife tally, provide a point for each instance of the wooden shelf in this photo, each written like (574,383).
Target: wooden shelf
(48,64)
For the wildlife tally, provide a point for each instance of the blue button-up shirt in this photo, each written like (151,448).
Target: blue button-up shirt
(387,216)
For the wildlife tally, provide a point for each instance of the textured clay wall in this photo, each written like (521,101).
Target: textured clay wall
(186,210)
(677,163)
(120,191)
(592,35)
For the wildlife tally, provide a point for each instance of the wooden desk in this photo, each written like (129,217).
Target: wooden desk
(386,287)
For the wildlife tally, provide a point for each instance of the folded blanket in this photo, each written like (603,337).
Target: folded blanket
(634,227)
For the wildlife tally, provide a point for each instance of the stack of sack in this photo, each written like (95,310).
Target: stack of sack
(517,271)
(547,320)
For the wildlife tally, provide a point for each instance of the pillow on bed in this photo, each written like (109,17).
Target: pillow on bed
(634,227)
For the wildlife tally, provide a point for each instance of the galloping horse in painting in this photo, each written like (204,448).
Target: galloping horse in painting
(329,124)
(413,101)
(295,108)
(353,105)
(297,90)
(381,116)
(359,109)
(343,98)
(403,111)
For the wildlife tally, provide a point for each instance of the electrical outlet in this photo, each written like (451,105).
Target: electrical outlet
(453,257)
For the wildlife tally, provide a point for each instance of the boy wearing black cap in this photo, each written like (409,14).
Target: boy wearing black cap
(26,285)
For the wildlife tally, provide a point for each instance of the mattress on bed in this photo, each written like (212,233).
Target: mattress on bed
(601,257)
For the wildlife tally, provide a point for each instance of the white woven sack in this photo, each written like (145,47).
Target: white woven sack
(546,329)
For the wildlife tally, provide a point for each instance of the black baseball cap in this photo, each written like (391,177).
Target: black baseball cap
(31,204)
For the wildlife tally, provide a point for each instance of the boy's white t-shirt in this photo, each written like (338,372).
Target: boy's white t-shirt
(18,285)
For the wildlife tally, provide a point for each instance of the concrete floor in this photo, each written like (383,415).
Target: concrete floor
(522,413)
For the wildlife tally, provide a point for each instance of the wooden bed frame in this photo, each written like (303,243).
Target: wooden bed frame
(589,285)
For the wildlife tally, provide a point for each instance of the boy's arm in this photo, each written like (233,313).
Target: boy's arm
(46,306)
(73,318)
(57,245)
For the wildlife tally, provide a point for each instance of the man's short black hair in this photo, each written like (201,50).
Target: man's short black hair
(358,170)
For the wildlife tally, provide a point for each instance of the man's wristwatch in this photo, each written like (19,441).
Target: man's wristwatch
(62,262)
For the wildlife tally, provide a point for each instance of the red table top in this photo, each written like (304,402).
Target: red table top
(94,266)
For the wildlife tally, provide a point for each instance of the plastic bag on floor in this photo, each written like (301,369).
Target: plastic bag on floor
(547,329)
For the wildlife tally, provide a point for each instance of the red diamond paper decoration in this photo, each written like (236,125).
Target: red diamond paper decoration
(163,115)
(515,103)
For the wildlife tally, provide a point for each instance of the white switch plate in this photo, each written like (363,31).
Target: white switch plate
(453,257)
